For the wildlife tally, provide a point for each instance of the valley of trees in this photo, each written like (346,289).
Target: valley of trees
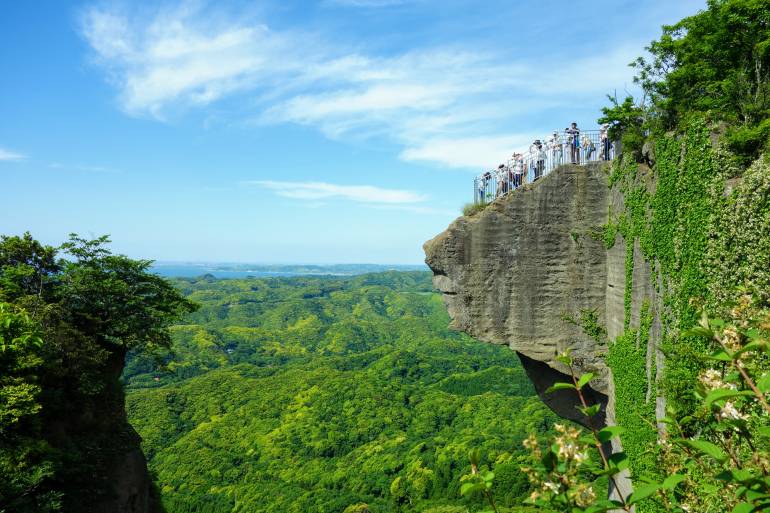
(328,395)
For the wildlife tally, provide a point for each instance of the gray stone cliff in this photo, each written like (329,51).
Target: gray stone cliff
(511,273)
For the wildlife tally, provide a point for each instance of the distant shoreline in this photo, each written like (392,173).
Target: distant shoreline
(225,270)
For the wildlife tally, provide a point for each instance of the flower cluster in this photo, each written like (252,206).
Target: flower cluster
(558,476)
(711,379)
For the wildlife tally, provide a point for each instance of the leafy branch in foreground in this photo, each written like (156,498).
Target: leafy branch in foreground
(478,481)
(722,447)
(566,473)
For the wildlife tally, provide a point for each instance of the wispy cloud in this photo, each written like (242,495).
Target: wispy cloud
(440,104)
(321,190)
(10,156)
(369,3)
(82,168)
(467,152)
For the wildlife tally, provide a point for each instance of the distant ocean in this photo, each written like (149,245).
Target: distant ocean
(193,269)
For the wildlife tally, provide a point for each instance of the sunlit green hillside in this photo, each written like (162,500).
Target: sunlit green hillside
(315,394)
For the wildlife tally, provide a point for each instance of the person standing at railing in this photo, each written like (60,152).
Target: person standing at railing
(554,143)
(604,139)
(518,170)
(538,158)
(541,156)
(502,180)
(486,177)
(589,148)
(573,136)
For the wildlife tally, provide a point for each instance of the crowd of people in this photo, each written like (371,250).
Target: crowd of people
(570,147)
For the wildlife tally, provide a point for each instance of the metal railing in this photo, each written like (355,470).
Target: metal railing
(527,167)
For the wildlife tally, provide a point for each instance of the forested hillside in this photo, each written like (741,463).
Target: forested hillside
(321,394)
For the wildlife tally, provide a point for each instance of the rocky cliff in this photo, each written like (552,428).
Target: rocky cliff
(513,273)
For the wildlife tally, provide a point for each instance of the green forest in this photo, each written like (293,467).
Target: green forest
(324,395)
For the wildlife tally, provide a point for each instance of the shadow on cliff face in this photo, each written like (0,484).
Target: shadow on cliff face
(563,402)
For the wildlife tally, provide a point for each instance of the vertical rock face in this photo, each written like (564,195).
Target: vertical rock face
(110,474)
(511,273)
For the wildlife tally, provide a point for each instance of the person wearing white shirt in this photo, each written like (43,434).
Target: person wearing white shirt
(554,143)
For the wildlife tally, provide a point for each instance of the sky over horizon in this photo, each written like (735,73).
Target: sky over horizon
(329,131)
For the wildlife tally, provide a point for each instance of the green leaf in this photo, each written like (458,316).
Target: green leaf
(560,386)
(706,448)
(467,488)
(585,378)
(743,507)
(610,432)
(699,331)
(474,456)
(599,507)
(751,346)
(619,460)
(723,393)
(590,411)
(753,333)
(643,491)
(720,355)
(671,481)
(565,358)
(763,383)
(764,431)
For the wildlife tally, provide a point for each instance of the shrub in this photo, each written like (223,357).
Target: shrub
(471,209)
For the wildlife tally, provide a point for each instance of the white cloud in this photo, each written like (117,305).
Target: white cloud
(358,193)
(175,57)
(439,104)
(475,152)
(10,156)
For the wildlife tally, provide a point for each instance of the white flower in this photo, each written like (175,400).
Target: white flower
(729,411)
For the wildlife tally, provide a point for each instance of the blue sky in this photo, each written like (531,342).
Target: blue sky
(289,132)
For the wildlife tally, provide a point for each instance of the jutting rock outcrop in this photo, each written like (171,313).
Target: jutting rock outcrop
(513,273)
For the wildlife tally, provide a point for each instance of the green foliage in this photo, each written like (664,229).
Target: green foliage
(23,462)
(738,252)
(63,336)
(115,299)
(747,141)
(626,124)
(471,209)
(319,394)
(569,470)
(715,61)
(708,247)
(705,245)
(589,322)
(714,64)
(635,394)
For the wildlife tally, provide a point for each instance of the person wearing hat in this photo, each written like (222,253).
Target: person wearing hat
(518,170)
(538,158)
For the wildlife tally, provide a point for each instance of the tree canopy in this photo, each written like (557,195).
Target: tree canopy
(714,63)
(66,323)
